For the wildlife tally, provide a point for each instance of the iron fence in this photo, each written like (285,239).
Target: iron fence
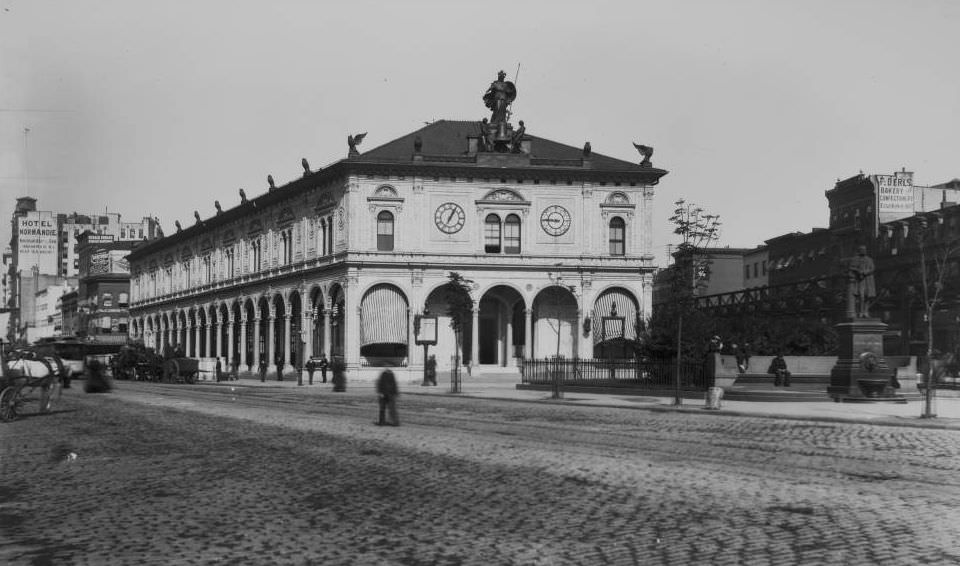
(627,373)
(383,362)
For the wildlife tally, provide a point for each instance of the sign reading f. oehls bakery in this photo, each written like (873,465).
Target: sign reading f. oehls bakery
(37,244)
(895,196)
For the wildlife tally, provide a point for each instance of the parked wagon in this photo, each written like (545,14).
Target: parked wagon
(29,376)
(181,370)
(137,362)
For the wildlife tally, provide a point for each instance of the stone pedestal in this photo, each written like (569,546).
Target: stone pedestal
(861,373)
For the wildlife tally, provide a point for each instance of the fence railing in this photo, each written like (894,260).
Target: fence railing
(382,362)
(629,373)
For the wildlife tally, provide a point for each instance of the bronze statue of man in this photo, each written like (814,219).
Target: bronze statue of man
(860,284)
(498,97)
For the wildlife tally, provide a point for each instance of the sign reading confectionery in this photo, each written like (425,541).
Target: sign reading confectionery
(895,196)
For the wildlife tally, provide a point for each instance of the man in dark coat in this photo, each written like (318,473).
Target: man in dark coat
(778,367)
(387,392)
(324,364)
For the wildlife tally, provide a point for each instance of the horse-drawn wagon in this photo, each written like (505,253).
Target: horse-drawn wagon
(181,370)
(29,376)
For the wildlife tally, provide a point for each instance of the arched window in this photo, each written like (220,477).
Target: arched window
(385,231)
(511,234)
(618,231)
(256,247)
(286,246)
(491,234)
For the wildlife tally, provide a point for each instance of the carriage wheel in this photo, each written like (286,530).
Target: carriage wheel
(190,377)
(171,371)
(9,403)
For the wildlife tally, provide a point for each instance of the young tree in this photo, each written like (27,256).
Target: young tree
(456,294)
(697,230)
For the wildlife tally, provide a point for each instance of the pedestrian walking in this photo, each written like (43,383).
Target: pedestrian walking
(778,368)
(387,392)
(324,364)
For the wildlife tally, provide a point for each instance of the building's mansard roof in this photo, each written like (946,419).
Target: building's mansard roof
(444,151)
(449,138)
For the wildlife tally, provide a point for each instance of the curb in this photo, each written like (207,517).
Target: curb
(939,423)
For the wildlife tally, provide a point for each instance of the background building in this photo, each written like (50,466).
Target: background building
(103,296)
(44,251)
(806,277)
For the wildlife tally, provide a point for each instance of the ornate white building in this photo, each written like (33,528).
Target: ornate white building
(341,261)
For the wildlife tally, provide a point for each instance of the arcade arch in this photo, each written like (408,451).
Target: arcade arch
(501,327)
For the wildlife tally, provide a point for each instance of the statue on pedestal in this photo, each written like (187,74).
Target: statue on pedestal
(861,288)
(498,97)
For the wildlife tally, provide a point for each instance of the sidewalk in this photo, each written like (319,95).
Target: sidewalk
(947,409)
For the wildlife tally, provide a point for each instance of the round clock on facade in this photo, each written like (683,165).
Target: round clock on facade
(449,217)
(555,220)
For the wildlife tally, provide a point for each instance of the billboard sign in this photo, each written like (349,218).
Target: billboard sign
(37,236)
(895,196)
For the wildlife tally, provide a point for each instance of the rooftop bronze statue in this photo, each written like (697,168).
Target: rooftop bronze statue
(646,151)
(498,97)
(861,288)
(354,141)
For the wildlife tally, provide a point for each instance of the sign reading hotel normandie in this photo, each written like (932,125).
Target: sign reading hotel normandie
(895,196)
(37,243)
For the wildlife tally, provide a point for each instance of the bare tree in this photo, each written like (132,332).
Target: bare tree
(697,230)
(933,274)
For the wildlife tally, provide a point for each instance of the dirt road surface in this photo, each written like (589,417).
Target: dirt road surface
(176,474)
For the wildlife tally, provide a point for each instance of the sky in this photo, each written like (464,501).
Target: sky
(756,108)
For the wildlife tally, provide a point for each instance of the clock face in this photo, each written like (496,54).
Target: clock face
(555,220)
(449,217)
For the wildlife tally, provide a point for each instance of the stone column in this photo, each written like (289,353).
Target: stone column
(507,337)
(287,339)
(219,331)
(231,320)
(414,355)
(326,332)
(351,319)
(528,336)
(196,340)
(271,343)
(256,342)
(578,343)
(306,336)
(243,340)
(208,331)
(475,338)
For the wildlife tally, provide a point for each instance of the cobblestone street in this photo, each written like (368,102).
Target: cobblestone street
(199,475)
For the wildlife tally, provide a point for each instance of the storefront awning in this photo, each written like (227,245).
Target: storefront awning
(383,317)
